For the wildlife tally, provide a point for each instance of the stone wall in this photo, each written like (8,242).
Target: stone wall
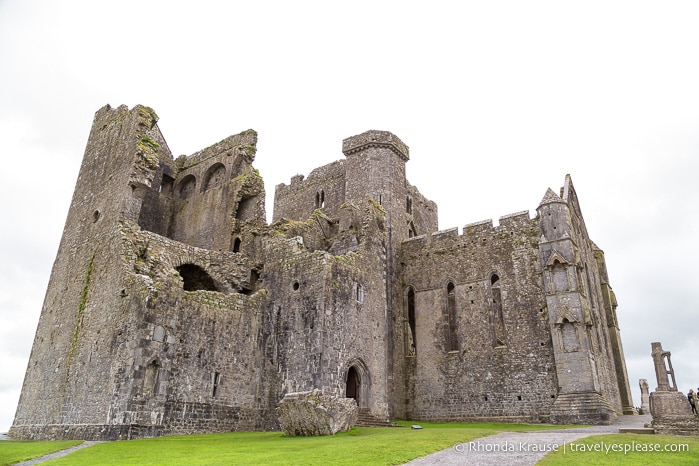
(499,361)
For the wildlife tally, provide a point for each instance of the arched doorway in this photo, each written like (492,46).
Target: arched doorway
(352,385)
(358,382)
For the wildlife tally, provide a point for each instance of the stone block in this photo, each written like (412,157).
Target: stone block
(669,404)
(313,413)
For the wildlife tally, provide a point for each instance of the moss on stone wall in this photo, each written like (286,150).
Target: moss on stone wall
(147,116)
(81,308)
(147,149)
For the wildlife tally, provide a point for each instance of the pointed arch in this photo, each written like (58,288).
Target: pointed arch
(450,328)
(320,199)
(215,176)
(410,330)
(497,317)
(236,244)
(357,382)
(556,258)
(187,187)
(151,378)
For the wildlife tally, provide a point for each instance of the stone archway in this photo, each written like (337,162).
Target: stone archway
(358,382)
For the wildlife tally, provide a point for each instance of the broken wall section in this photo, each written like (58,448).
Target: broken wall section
(192,359)
(209,198)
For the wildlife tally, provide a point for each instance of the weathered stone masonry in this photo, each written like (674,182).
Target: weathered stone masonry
(173,307)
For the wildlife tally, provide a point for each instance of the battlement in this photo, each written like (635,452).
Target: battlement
(474,233)
(374,138)
(444,234)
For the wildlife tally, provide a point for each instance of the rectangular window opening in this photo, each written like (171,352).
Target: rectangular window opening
(216,383)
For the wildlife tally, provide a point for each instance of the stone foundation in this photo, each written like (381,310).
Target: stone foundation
(99,432)
(672,414)
(676,425)
(582,408)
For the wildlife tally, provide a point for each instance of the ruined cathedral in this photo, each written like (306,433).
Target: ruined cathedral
(173,307)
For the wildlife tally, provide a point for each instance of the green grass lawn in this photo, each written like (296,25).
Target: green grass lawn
(15,451)
(364,445)
(642,444)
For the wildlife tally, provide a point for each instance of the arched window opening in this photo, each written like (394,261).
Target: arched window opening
(497,317)
(411,349)
(187,187)
(246,209)
(195,278)
(236,245)
(215,176)
(150,381)
(166,185)
(412,231)
(320,199)
(409,205)
(450,325)
(216,383)
(360,293)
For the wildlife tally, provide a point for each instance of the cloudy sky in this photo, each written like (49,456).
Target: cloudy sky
(497,101)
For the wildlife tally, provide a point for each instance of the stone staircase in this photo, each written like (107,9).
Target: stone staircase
(636,430)
(366,419)
(582,408)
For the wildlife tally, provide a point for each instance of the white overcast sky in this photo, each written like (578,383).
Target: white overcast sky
(497,101)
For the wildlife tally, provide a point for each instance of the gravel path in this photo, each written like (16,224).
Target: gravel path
(57,454)
(519,448)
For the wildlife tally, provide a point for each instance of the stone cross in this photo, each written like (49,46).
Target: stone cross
(663,368)
(645,406)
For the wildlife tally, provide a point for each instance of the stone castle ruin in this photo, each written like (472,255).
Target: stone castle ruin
(174,308)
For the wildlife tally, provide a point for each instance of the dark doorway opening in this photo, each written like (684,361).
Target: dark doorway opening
(352,390)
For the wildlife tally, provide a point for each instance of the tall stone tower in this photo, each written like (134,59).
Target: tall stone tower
(368,205)
(589,390)
(70,379)
(376,162)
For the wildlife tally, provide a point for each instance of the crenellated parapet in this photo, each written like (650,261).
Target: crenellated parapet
(374,139)
(482,233)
